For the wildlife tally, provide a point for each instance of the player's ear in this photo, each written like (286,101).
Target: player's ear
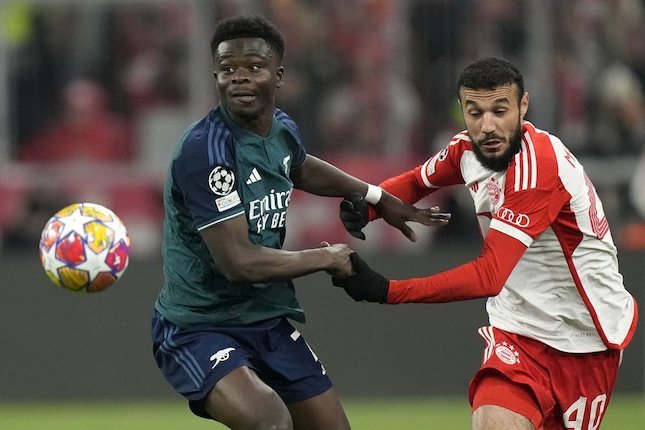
(280,77)
(524,105)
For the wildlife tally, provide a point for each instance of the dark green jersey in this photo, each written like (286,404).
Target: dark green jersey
(220,171)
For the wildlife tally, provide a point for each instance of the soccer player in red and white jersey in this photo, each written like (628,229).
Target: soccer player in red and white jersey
(559,313)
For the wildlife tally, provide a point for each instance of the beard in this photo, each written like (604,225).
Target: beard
(500,162)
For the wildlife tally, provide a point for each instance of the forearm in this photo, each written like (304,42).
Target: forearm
(263,264)
(403,186)
(483,277)
(240,260)
(406,187)
(318,177)
(461,283)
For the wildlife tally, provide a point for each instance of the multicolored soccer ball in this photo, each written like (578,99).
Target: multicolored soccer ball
(84,248)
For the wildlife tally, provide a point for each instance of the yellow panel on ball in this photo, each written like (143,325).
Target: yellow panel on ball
(99,236)
(68,210)
(52,276)
(74,279)
(96,211)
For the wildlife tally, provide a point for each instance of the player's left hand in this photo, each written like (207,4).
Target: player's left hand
(397,213)
(366,285)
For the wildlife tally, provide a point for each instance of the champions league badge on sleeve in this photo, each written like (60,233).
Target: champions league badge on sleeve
(222,183)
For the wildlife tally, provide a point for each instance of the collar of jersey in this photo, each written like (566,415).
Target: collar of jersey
(242,133)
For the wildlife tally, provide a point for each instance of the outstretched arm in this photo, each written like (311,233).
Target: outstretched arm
(356,212)
(482,277)
(318,177)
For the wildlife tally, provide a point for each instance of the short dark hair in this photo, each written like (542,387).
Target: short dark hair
(248,26)
(490,73)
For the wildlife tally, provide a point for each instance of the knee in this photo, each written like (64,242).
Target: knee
(268,413)
(263,419)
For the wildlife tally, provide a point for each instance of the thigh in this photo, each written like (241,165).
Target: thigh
(193,361)
(491,417)
(241,400)
(512,377)
(290,366)
(500,403)
(322,412)
(582,386)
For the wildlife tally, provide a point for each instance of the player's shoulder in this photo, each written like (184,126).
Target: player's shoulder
(536,134)
(208,140)
(283,118)
(461,139)
(457,146)
(541,144)
(539,162)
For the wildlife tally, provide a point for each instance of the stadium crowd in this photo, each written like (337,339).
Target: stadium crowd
(369,80)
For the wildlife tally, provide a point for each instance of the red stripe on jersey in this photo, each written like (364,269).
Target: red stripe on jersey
(570,237)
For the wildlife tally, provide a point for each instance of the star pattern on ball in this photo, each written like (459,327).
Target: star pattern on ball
(84,247)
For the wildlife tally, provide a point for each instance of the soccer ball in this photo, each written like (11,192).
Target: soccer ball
(84,248)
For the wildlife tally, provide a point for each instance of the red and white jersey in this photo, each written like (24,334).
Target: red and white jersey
(549,265)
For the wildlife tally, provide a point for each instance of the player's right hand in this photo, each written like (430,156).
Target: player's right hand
(354,214)
(341,264)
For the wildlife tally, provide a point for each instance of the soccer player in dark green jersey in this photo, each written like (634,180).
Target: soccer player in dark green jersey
(220,330)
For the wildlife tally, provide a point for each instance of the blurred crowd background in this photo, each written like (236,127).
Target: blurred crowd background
(94,95)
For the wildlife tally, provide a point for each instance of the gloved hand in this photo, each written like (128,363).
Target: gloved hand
(354,213)
(367,285)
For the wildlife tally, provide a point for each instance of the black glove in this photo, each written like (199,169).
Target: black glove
(354,213)
(367,285)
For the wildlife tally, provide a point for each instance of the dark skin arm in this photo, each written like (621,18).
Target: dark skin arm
(239,260)
(318,177)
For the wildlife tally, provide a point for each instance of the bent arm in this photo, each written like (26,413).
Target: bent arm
(239,260)
(482,277)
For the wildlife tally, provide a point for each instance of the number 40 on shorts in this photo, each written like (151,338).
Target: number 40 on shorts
(574,417)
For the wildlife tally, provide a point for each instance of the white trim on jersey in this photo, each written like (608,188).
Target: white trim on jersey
(424,170)
(488,335)
(511,231)
(460,136)
(210,224)
(525,170)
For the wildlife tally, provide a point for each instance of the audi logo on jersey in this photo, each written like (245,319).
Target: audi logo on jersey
(520,220)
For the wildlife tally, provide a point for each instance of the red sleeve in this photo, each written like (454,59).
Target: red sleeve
(404,186)
(442,169)
(482,277)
